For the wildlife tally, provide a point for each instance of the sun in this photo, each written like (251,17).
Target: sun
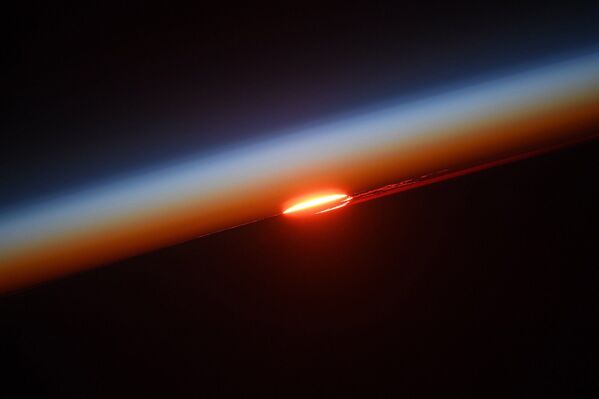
(319,204)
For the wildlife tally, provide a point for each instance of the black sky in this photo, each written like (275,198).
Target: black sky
(95,92)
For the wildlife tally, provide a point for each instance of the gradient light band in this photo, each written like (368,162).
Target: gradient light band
(474,124)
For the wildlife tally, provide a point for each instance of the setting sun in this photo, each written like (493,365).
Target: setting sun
(320,204)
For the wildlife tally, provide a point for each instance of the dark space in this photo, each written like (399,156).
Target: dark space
(485,285)
(97,92)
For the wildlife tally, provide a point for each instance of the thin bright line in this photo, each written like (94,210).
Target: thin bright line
(335,207)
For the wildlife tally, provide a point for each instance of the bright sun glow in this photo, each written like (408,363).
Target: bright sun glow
(316,202)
